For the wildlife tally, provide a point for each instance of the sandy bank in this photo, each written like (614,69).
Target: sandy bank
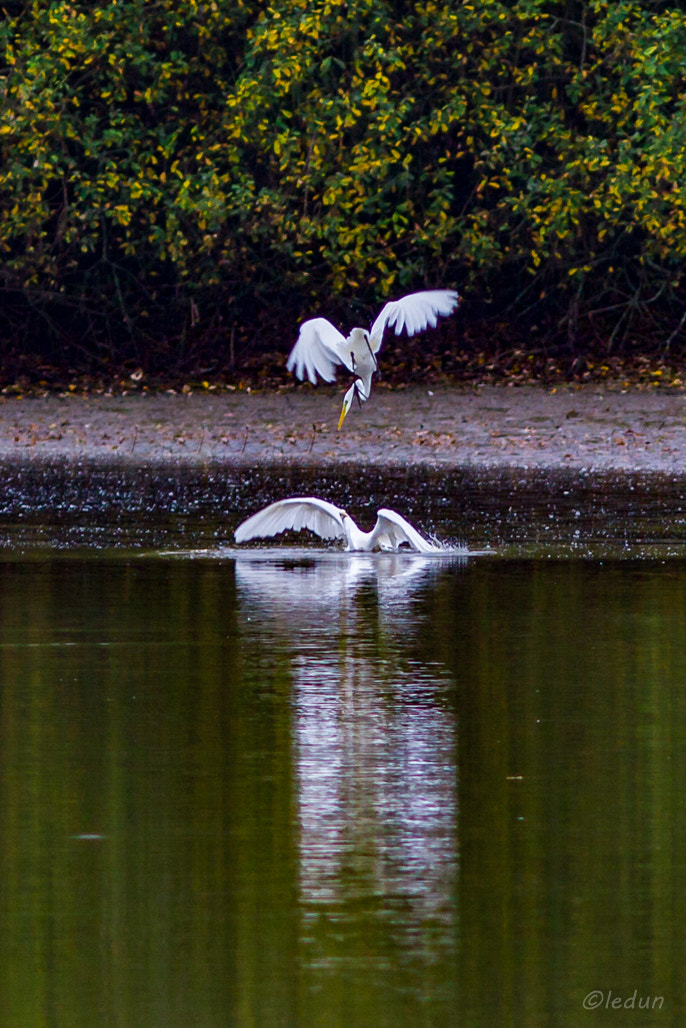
(591,427)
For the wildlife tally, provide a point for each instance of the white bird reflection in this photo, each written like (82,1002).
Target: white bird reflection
(305,580)
(374,739)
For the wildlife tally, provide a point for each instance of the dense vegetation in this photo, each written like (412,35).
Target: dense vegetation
(181,182)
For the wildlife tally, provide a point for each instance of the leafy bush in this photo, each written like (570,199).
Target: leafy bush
(177,175)
(112,199)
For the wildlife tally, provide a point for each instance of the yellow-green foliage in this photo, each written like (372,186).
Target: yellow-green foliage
(166,169)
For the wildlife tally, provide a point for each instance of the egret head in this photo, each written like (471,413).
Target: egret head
(348,402)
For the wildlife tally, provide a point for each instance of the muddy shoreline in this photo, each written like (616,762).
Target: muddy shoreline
(588,428)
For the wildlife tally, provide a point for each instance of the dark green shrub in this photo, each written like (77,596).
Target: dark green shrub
(177,174)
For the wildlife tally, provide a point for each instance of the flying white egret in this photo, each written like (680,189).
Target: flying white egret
(320,346)
(390,532)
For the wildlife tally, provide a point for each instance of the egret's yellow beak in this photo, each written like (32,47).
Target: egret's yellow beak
(347,403)
(344,411)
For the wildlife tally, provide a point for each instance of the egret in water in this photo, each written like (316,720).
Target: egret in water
(320,346)
(390,532)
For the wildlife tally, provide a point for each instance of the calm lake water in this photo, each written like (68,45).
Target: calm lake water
(299,787)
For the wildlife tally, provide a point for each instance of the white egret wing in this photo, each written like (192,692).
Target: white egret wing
(391,530)
(413,313)
(317,351)
(297,512)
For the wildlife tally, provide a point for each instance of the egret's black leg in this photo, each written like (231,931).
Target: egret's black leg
(372,354)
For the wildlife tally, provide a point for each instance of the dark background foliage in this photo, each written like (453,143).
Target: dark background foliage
(181,183)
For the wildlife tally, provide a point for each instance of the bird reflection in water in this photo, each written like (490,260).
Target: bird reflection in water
(374,739)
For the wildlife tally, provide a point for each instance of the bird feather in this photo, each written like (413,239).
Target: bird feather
(297,512)
(317,350)
(413,313)
(392,529)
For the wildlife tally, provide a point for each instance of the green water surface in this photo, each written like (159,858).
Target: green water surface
(341,790)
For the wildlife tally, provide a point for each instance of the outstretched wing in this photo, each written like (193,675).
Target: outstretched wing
(391,530)
(413,313)
(322,518)
(317,351)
